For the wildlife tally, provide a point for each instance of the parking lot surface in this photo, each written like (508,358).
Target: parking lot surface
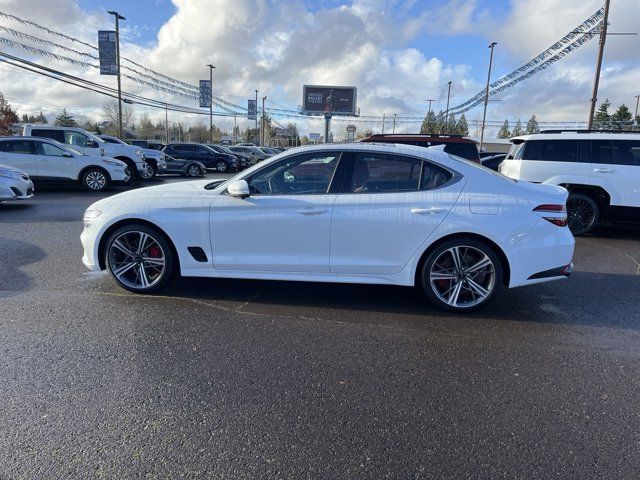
(255,379)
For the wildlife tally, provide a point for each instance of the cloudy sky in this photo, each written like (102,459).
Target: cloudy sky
(396,52)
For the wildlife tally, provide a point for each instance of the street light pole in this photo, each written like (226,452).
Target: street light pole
(486,95)
(637,101)
(394,123)
(211,67)
(596,80)
(446,115)
(118,17)
(263,137)
(166,123)
(383,115)
(430,100)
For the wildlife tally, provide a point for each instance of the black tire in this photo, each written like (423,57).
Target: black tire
(148,173)
(132,169)
(193,170)
(583,213)
(129,180)
(154,168)
(470,285)
(157,249)
(221,166)
(94,179)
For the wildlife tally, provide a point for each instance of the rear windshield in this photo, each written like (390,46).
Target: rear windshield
(466,150)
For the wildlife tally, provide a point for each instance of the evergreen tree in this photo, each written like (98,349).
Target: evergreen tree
(636,123)
(622,119)
(517,130)
(429,124)
(462,127)
(602,119)
(452,125)
(41,118)
(65,120)
(8,116)
(440,125)
(532,126)
(504,130)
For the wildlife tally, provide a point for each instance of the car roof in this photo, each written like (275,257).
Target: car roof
(415,137)
(587,135)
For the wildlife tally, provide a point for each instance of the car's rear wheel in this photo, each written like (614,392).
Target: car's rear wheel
(147,173)
(461,275)
(140,258)
(95,180)
(582,213)
(193,170)
(221,166)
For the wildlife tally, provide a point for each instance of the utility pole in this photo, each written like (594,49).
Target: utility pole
(235,128)
(394,123)
(486,94)
(430,100)
(446,115)
(383,123)
(166,123)
(637,101)
(257,109)
(211,67)
(596,80)
(262,135)
(118,17)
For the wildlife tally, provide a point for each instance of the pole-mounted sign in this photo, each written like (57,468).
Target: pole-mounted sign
(205,93)
(252,109)
(107,52)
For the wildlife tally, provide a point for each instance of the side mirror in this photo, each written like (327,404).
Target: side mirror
(239,189)
(91,144)
(67,154)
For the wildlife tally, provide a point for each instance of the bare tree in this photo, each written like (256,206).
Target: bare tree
(110,111)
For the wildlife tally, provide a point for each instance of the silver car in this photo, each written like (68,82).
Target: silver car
(14,184)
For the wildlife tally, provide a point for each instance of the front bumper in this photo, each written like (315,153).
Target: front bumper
(16,189)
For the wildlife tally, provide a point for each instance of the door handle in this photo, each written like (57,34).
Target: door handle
(603,170)
(431,210)
(312,211)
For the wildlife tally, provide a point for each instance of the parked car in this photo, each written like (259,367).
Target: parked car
(352,213)
(254,153)
(48,161)
(14,184)
(187,168)
(208,157)
(269,151)
(148,144)
(154,158)
(244,161)
(601,170)
(493,162)
(88,143)
(453,144)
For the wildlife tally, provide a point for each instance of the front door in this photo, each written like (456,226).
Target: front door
(616,167)
(284,226)
(390,206)
(52,163)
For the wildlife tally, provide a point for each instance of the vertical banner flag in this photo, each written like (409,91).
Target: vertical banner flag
(252,109)
(107,52)
(205,93)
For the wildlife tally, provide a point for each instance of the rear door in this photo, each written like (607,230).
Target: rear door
(19,154)
(387,208)
(549,158)
(616,167)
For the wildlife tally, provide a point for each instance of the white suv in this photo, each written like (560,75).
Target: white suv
(46,160)
(601,170)
(155,158)
(90,144)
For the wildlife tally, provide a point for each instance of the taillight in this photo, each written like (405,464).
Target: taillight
(554,208)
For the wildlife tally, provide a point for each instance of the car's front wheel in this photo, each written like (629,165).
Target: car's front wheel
(193,170)
(221,166)
(582,213)
(95,179)
(147,173)
(461,275)
(140,258)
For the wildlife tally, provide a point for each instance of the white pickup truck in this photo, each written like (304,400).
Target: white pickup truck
(90,144)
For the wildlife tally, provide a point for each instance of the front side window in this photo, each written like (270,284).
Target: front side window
(299,175)
(560,151)
(375,173)
(51,150)
(18,146)
(75,138)
(531,150)
(601,151)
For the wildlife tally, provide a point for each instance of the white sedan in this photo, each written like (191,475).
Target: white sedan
(353,213)
(14,184)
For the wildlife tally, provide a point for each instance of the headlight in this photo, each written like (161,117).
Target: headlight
(140,153)
(90,216)
(113,163)
(9,173)
(102,152)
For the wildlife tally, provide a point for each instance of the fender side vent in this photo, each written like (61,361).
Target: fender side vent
(198,254)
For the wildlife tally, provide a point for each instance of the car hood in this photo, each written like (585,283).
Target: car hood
(10,169)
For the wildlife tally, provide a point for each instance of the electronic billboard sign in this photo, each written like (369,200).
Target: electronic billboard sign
(328,100)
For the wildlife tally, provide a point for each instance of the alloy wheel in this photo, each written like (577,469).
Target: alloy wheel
(193,171)
(581,214)
(147,172)
(462,276)
(221,167)
(95,180)
(137,259)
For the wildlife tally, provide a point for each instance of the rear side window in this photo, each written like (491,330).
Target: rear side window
(560,151)
(601,151)
(18,146)
(377,173)
(57,135)
(626,152)
(433,176)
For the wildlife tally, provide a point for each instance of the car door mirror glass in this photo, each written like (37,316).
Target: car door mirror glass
(67,154)
(239,189)
(91,144)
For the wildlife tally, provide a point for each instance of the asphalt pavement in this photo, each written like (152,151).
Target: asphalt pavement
(258,380)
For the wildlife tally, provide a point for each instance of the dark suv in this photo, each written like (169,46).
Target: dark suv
(453,144)
(207,156)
